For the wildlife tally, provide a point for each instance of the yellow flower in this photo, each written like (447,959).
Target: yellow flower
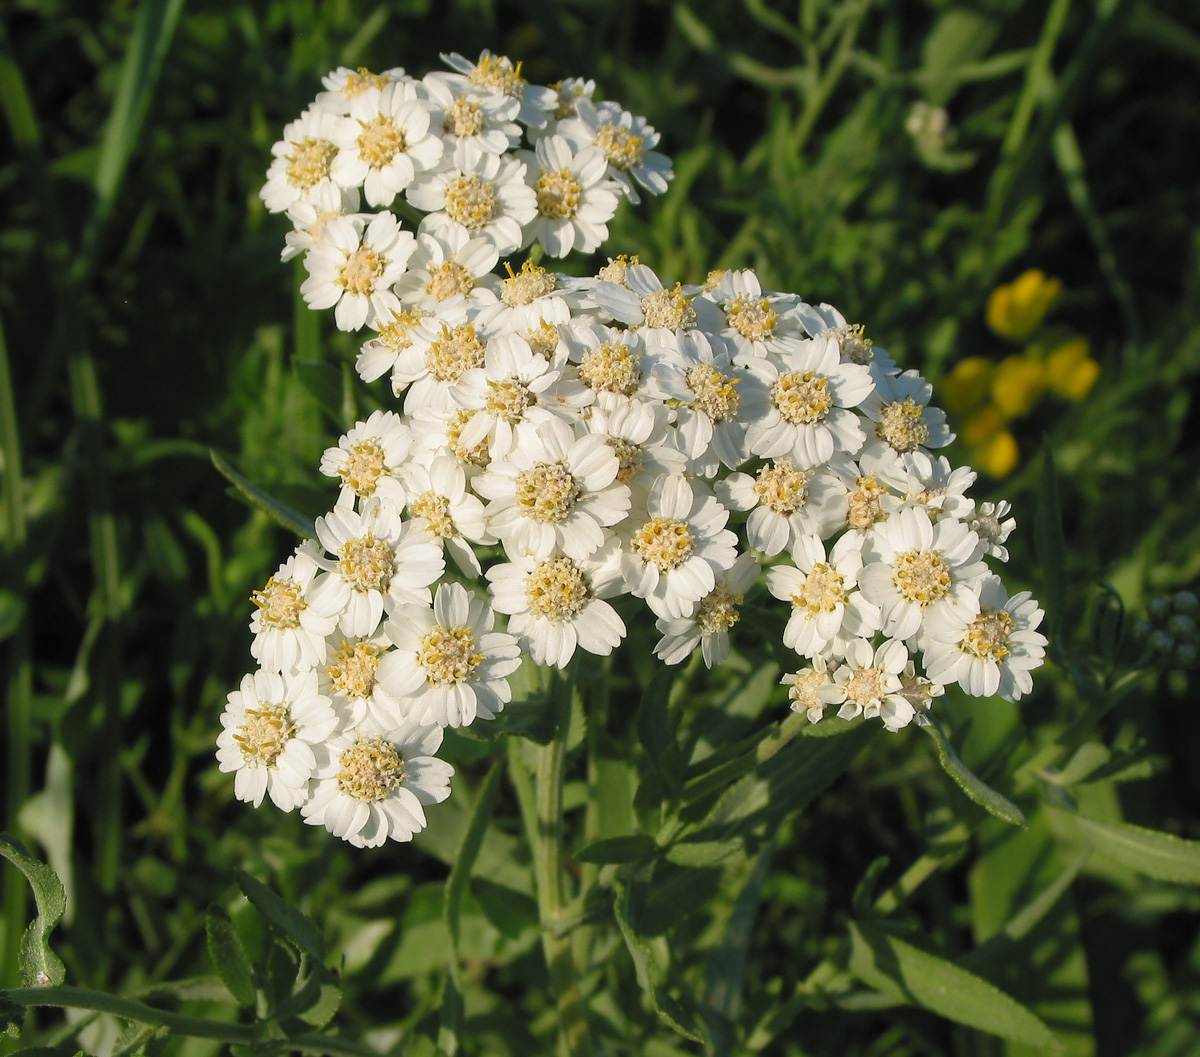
(998,456)
(1016,309)
(982,425)
(1017,384)
(968,383)
(1070,370)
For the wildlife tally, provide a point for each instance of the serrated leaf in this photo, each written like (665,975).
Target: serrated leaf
(970,783)
(40,966)
(280,512)
(1147,851)
(229,956)
(287,920)
(616,850)
(916,977)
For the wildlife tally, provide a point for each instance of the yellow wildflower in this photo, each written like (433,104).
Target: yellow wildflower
(1015,309)
(968,383)
(998,456)
(1017,384)
(1070,370)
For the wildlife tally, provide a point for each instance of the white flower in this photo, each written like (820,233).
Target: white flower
(351,270)
(643,442)
(805,413)
(368,458)
(451,265)
(868,683)
(675,552)
(345,85)
(708,627)
(641,299)
(448,665)
(934,484)
(826,608)
(812,690)
(825,321)
(443,509)
(377,557)
(385,142)
(626,143)
(990,645)
(496,73)
(489,198)
(288,632)
(922,570)
(311,214)
(398,331)
(435,362)
(555,605)
(750,323)
(303,159)
(607,360)
(903,416)
(271,725)
(472,122)
(785,504)
(575,200)
(554,492)
(987,524)
(350,679)
(375,785)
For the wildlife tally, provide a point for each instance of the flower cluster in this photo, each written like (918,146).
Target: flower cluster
(568,443)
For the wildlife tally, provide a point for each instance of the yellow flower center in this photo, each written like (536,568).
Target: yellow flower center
(509,399)
(363,466)
(753,319)
(987,635)
(864,506)
(853,344)
(309,162)
(822,590)
(629,458)
(556,590)
(279,604)
(668,309)
(361,269)
(543,340)
(802,399)
(558,194)
(527,285)
(782,488)
(718,610)
(351,669)
(804,691)
(476,456)
(395,333)
(624,149)
(362,79)
(370,769)
(265,733)
(367,563)
(447,279)
(611,367)
(901,425)
(463,119)
(546,492)
(455,352)
(434,510)
(448,655)
(614,270)
(664,542)
(380,141)
(865,687)
(716,393)
(921,576)
(498,73)
(471,201)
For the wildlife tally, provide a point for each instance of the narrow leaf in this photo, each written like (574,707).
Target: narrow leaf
(40,966)
(971,784)
(228,956)
(911,975)
(285,515)
(703,852)
(1149,852)
(287,920)
(616,850)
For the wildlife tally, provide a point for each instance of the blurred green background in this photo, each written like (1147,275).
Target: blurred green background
(900,159)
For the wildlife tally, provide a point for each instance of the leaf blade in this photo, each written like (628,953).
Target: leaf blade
(40,966)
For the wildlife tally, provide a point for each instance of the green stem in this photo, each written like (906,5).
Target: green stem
(196,1027)
(549,861)
(826,83)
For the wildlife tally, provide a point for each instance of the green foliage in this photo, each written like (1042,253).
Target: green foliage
(743,882)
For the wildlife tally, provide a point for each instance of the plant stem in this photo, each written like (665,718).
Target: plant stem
(548,863)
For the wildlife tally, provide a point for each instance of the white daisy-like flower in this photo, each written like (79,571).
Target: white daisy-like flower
(803,410)
(640,299)
(643,440)
(934,483)
(990,645)
(876,484)
(989,523)
(302,161)
(708,627)
(868,683)
(919,691)
(311,214)
(536,319)
(676,550)
(785,504)
(903,416)
(351,270)
(607,360)
(288,632)
(570,91)
(368,459)
(827,611)
(385,142)
(812,690)
(375,787)
(270,728)
(575,199)
(440,433)
(472,122)
(449,666)
(825,321)
(922,570)
(453,265)
(441,507)
(554,492)
(436,359)
(751,323)
(511,392)
(344,85)
(626,142)
(378,557)
(489,199)
(496,73)
(397,332)
(349,678)
(555,605)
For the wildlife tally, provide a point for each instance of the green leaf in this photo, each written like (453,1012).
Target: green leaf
(510,911)
(287,920)
(1049,542)
(228,956)
(1147,851)
(616,850)
(970,783)
(916,977)
(12,612)
(40,966)
(315,1000)
(468,851)
(285,515)
(324,381)
(704,852)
